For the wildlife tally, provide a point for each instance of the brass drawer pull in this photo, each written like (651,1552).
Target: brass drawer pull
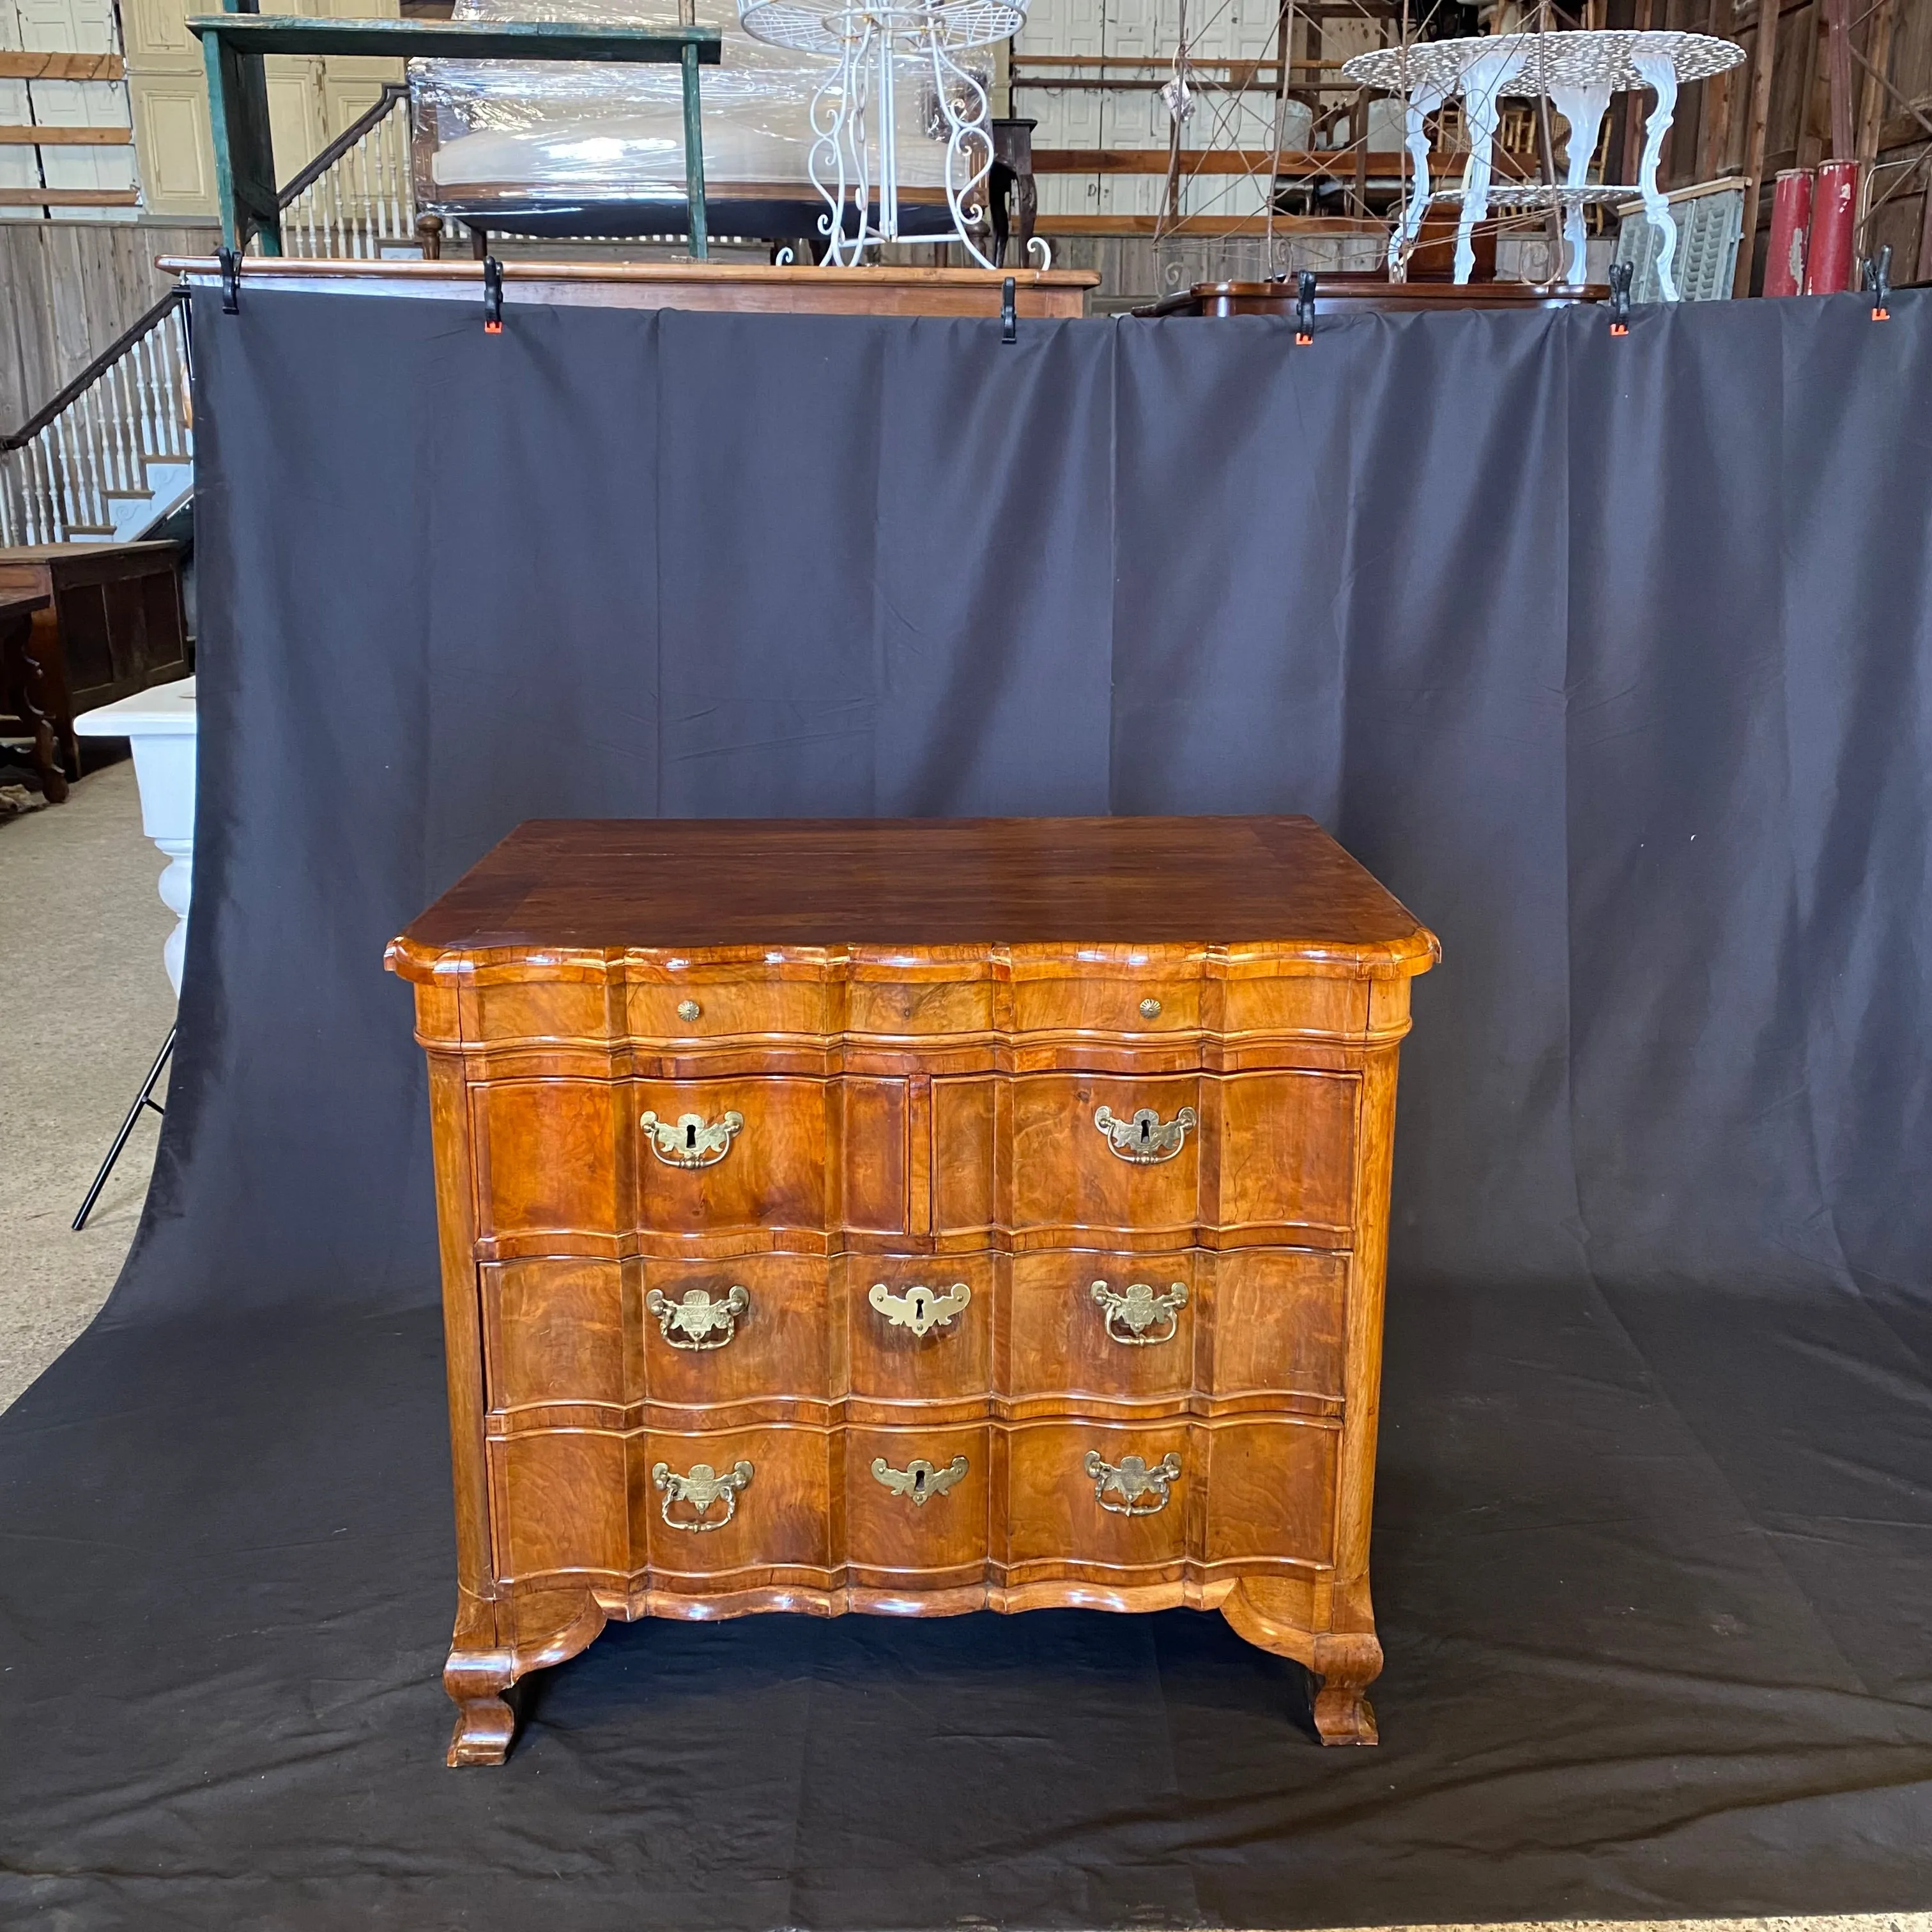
(921,1310)
(691,1140)
(700,1489)
(1131,1480)
(918,1479)
(705,1323)
(1147,1138)
(1137,1310)
(688,1010)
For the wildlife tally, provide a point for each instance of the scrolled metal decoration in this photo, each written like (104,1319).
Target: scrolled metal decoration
(701,1322)
(920,1309)
(700,1487)
(1133,1480)
(918,1481)
(1145,1137)
(1135,1314)
(691,1140)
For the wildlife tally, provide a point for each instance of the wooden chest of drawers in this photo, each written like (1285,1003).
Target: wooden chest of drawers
(914,1217)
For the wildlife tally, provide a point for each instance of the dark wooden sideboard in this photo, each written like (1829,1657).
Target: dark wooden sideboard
(1341,295)
(111,625)
(914,1218)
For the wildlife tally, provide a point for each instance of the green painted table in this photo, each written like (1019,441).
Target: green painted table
(235,44)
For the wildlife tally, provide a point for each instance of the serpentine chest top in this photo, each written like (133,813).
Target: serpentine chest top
(913,1217)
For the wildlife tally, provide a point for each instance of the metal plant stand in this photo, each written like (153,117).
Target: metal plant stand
(854,157)
(1577,71)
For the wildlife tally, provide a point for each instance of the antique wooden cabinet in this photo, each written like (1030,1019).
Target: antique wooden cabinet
(915,1217)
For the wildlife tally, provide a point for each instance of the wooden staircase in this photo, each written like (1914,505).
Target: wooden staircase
(112,456)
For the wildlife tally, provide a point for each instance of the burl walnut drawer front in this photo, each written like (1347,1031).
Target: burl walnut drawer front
(1256,1328)
(577,1166)
(918,1505)
(1263,1156)
(581,1334)
(947,1505)
(1098,1498)
(572,1341)
(918,1329)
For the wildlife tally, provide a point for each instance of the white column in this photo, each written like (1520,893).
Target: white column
(160,725)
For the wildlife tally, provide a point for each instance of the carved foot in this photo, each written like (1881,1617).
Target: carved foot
(484,1726)
(1344,1716)
(1347,1664)
(497,1643)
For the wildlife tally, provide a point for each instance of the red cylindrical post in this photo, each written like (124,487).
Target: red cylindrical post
(1790,227)
(1834,207)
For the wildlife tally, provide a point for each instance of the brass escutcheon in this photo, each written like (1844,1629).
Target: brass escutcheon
(1146,1137)
(691,1140)
(919,1480)
(920,1308)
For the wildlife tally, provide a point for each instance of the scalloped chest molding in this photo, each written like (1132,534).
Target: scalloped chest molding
(916,1217)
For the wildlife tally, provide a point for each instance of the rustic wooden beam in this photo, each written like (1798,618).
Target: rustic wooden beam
(70,197)
(1764,63)
(65,137)
(1340,162)
(17,66)
(1204,224)
(1838,76)
(1871,116)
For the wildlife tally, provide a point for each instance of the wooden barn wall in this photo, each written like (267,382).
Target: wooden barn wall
(1712,133)
(67,289)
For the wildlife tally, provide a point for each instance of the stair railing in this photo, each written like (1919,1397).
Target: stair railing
(62,469)
(357,197)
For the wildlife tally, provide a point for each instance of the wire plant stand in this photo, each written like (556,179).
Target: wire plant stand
(854,162)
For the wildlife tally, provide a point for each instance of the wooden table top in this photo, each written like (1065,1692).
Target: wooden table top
(693,884)
(69,552)
(800,290)
(18,603)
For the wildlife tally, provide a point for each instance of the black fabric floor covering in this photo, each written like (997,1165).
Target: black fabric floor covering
(1608,655)
(1645,1657)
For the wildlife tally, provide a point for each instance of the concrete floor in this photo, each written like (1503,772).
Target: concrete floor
(84,1006)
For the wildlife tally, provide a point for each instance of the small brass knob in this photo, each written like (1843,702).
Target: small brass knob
(1149,1009)
(689,1010)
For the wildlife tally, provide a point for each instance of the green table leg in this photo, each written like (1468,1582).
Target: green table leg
(694,159)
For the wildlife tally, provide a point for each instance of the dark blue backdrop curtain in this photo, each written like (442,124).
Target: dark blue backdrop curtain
(1610,656)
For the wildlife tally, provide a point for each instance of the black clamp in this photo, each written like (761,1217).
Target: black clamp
(493,295)
(1304,307)
(1877,278)
(230,264)
(1009,318)
(1620,303)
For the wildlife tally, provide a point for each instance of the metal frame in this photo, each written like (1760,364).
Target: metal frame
(234,43)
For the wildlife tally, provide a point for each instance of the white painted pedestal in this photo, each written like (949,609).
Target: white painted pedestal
(160,724)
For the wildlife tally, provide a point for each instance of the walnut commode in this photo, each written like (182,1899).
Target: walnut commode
(913,1217)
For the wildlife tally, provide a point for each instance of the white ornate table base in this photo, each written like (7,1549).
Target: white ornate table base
(1578,71)
(854,121)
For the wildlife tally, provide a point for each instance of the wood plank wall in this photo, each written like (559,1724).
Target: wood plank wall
(1708,138)
(67,289)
